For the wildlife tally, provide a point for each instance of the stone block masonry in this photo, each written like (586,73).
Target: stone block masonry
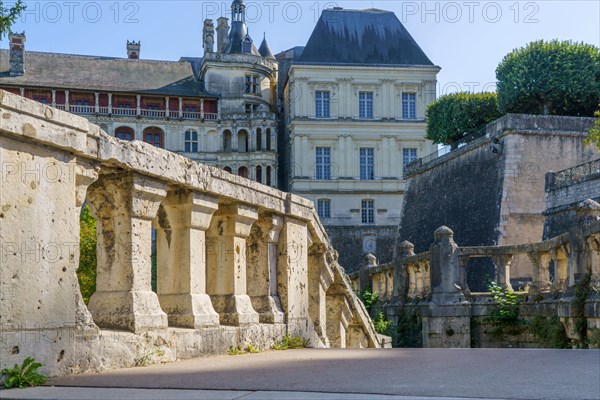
(237,262)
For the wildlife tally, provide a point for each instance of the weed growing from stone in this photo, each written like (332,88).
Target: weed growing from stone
(25,375)
(146,359)
(382,325)
(289,342)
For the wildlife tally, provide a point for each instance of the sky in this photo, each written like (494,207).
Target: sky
(467,39)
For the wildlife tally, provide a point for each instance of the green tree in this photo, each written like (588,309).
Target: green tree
(550,78)
(8,16)
(87,254)
(454,116)
(594,136)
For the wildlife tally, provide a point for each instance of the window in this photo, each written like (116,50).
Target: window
(367,163)
(365,104)
(323,163)
(324,208)
(367,211)
(322,104)
(251,84)
(409,105)
(154,136)
(42,100)
(408,156)
(124,133)
(191,141)
(251,108)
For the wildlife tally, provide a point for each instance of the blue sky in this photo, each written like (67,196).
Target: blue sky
(466,38)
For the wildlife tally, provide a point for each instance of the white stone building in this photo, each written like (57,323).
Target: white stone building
(355,104)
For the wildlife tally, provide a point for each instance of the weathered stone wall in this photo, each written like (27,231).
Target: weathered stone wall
(350,243)
(565,190)
(220,283)
(491,191)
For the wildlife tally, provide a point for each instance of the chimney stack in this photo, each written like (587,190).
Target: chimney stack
(208,36)
(222,34)
(17,52)
(133,50)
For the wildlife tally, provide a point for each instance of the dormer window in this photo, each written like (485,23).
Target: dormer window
(246,45)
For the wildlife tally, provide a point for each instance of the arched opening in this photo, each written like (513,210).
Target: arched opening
(242,141)
(268,133)
(125,133)
(258,139)
(227,169)
(154,136)
(243,172)
(259,174)
(268,178)
(226,140)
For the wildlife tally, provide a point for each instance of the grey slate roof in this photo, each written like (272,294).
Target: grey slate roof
(374,37)
(54,70)
(265,50)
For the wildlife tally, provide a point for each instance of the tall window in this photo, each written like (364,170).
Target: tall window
(322,104)
(408,156)
(251,84)
(323,163)
(409,105)
(367,211)
(365,104)
(324,208)
(191,141)
(367,163)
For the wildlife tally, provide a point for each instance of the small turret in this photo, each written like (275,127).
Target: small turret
(208,36)
(264,48)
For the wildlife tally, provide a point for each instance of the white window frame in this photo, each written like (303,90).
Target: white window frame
(323,163)
(322,104)
(409,105)
(409,154)
(367,211)
(324,208)
(190,145)
(365,105)
(367,163)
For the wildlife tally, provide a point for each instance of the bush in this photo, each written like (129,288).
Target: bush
(368,298)
(382,325)
(550,78)
(86,273)
(454,116)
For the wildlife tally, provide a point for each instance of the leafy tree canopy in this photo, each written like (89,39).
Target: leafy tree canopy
(550,78)
(454,116)
(8,15)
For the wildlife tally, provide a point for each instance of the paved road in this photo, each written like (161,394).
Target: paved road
(349,375)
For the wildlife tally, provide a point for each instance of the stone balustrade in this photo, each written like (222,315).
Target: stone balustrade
(237,262)
(436,280)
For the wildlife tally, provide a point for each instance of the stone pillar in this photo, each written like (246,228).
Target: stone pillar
(229,228)
(447,317)
(124,206)
(66,100)
(180,107)
(234,140)
(292,275)
(561,271)
(53,98)
(22,91)
(96,102)
(202,108)
(541,272)
(339,314)
(263,139)
(405,249)
(320,278)
(262,268)
(167,107)
(110,103)
(502,265)
(138,109)
(181,258)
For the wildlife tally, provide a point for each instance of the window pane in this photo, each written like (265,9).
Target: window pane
(367,163)
(368,211)
(323,163)
(408,156)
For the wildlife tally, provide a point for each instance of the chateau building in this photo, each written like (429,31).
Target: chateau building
(335,121)
(219,109)
(355,100)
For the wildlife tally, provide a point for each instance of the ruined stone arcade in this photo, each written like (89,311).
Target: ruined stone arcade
(237,262)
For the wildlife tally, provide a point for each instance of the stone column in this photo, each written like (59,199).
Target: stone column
(405,249)
(561,271)
(447,318)
(22,91)
(124,206)
(292,275)
(181,258)
(66,100)
(53,98)
(138,108)
(180,107)
(110,103)
(167,108)
(262,268)
(96,102)
(263,139)
(229,228)
(202,108)
(320,278)
(541,273)
(234,139)
(502,265)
